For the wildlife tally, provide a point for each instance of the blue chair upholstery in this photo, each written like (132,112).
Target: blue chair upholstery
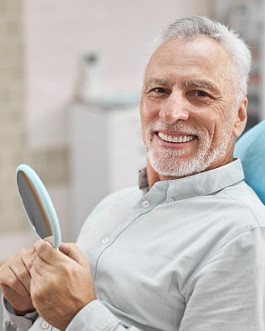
(250,148)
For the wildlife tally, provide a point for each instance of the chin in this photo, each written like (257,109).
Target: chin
(176,168)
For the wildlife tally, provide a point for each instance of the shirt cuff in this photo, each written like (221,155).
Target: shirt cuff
(11,319)
(93,317)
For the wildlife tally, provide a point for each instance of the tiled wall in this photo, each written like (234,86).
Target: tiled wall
(50,163)
(12,108)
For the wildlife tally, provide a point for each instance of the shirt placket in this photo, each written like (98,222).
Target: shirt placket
(145,205)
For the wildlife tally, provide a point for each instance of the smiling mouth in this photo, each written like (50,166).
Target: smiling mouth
(175,139)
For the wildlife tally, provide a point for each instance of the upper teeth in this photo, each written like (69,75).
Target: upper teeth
(174,139)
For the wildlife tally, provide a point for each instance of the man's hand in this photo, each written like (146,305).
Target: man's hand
(61,283)
(15,281)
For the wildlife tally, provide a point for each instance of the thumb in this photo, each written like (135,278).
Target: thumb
(72,251)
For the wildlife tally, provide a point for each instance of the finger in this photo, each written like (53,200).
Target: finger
(35,274)
(14,297)
(72,251)
(10,280)
(19,269)
(36,281)
(48,254)
(41,267)
(44,250)
(27,260)
(23,276)
(49,239)
(54,257)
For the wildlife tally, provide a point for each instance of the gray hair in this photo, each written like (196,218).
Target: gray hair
(189,28)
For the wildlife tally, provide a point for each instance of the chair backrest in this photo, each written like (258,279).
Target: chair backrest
(250,148)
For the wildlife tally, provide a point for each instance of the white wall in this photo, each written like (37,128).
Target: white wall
(58,32)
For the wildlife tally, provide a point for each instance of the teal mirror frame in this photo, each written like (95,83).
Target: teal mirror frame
(45,201)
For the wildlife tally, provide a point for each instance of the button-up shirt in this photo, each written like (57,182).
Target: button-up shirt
(187,255)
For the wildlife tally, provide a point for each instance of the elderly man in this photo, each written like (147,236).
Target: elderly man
(187,251)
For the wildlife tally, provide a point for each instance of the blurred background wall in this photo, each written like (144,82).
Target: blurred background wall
(70,80)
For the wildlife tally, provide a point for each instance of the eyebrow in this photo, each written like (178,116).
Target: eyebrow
(157,81)
(209,85)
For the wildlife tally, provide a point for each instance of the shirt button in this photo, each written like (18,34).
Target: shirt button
(105,240)
(171,200)
(45,325)
(145,203)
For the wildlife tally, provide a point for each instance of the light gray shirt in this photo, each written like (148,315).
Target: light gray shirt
(188,255)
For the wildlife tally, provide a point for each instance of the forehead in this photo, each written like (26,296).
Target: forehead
(196,58)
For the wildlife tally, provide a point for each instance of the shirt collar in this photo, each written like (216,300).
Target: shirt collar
(204,183)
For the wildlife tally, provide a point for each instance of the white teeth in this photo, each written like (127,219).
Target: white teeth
(174,139)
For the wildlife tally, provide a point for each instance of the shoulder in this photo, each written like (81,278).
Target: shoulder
(235,212)
(246,204)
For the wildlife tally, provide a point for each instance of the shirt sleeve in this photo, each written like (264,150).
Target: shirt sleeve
(96,317)
(12,322)
(228,292)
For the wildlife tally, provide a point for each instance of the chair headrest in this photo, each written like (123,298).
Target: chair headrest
(250,148)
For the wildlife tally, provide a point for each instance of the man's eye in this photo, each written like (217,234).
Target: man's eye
(200,96)
(200,93)
(158,90)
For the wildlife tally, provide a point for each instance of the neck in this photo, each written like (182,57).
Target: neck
(154,177)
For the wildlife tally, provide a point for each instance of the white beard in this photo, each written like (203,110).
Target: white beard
(167,162)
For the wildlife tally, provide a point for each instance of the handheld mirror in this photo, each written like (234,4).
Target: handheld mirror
(38,205)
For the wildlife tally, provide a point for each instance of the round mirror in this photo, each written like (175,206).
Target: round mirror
(38,205)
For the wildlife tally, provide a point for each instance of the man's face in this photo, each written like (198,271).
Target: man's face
(188,114)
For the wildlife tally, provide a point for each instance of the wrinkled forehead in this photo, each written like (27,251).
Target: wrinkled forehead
(180,52)
(200,57)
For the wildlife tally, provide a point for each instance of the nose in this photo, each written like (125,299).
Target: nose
(174,108)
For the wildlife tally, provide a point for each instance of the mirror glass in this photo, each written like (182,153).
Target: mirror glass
(38,205)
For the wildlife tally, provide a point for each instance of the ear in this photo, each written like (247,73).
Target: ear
(240,119)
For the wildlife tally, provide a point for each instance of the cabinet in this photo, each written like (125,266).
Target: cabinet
(106,152)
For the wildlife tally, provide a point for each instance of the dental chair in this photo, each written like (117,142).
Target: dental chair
(250,148)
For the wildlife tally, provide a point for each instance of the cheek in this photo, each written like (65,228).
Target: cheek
(149,109)
(148,113)
(206,121)
(220,128)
